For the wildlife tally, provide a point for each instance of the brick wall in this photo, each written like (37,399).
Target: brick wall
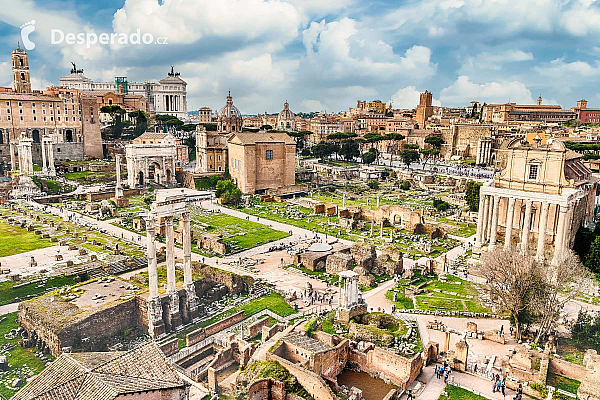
(257,326)
(170,347)
(314,384)
(200,334)
(567,369)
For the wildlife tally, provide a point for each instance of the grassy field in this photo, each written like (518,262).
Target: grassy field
(460,295)
(273,302)
(16,240)
(456,393)
(560,382)
(237,233)
(19,358)
(8,294)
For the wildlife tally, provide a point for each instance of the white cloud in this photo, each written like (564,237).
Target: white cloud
(569,74)
(463,91)
(341,49)
(273,22)
(493,60)
(312,105)
(408,97)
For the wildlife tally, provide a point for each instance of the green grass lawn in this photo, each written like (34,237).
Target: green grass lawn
(16,240)
(456,393)
(563,383)
(18,358)
(237,233)
(273,302)
(435,300)
(8,293)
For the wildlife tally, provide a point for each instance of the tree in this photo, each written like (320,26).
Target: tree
(441,205)
(563,281)
(409,154)
(116,114)
(405,185)
(472,195)
(339,136)
(593,258)
(305,153)
(373,184)
(228,192)
(395,139)
(429,153)
(266,127)
(141,122)
(350,149)
(323,150)
(190,142)
(370,156)
(513,281)
(435,141)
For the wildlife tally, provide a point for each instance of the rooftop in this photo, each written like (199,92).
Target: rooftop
(103,375)
(305,342)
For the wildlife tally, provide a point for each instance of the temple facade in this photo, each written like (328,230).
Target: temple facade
(538,200)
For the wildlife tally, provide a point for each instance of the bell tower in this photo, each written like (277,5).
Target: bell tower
(20,67)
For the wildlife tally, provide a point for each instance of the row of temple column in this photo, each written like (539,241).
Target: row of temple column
(348,295)
(48,168)
(155,314)
(488,219)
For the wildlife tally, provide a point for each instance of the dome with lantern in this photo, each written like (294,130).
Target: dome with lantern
(229,118)
(286,118)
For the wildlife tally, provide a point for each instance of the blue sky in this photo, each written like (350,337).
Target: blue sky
(326,54)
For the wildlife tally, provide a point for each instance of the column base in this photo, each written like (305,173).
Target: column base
(192,298)
(156,325)
(174,314)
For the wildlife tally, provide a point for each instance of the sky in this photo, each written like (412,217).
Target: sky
(323,55)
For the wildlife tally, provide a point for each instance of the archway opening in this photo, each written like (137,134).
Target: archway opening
(140,178)
(69,135)
(35,135)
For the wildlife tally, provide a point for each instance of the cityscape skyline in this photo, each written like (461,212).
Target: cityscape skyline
(323,56)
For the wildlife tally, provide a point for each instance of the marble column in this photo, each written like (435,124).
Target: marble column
(188,279)
(50,150)
(526,226)
(510,217)
(12,155)
(494,233)
(486,217)
(344,201)
(539,254)
(151,254)
(381,229)
(490,220)
(156,326)
(118,188)
(568,223)
(170,241)
(377,201)
(560,234)
(480,216)
(174,312)
(44,166)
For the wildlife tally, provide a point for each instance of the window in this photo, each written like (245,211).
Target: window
(34,111)
(21,118)
(20,104)
(34,118)
(533,172)
(43,104)
(8,103)
(269,154)
(32,104)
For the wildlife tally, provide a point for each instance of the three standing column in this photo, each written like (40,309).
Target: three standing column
(559,240)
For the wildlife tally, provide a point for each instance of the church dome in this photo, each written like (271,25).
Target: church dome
(286,114)
(229,110)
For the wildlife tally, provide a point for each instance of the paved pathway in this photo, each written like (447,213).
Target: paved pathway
(435,387)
